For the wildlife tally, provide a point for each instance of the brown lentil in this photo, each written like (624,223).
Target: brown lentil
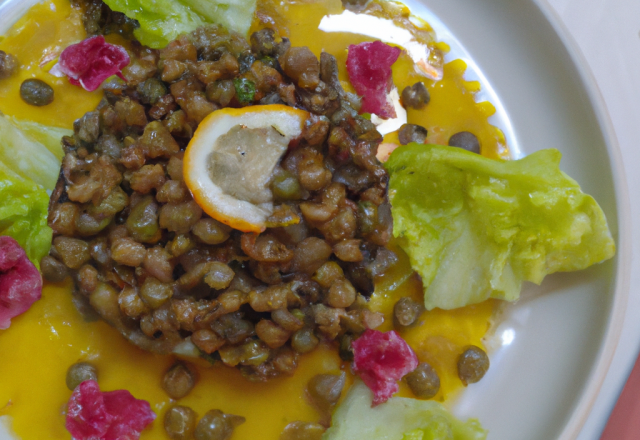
(160,270)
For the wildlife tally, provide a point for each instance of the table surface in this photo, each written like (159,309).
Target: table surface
(608,34)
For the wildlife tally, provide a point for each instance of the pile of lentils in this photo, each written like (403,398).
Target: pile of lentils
(171,279)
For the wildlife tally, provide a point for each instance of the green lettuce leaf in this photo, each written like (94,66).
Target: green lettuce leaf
(48,136)
(398,418)
(26,157)
(161,21)
(23,214)
(476,228)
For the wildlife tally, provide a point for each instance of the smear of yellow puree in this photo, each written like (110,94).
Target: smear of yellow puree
(44,342)
(37,39)
(40,345)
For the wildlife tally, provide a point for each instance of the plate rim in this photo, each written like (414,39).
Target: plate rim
(622,281)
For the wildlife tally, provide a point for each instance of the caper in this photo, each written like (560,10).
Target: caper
(424,382)
(36,92)
(180,422)
(416,96)
(8,65)
(466,141)
(412,133)
(406,311)
(179,380)
(216,425)
(325,390)
(79,372)
(473,364)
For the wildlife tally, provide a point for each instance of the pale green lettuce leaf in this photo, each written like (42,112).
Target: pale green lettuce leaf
(398,418)
(26,157)
(161,21)
(23,214)
(48,136)
(476,228)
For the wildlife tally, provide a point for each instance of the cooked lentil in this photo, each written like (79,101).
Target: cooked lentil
(160,270)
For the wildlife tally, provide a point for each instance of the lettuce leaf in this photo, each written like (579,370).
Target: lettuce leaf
(476,228)
(48,136)
(26,157)
(23,214)
(161,21)
(28,169)
(399,418)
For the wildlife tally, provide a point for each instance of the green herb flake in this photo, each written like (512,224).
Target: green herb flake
(245,90)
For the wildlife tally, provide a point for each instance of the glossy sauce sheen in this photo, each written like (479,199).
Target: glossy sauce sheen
(41,344)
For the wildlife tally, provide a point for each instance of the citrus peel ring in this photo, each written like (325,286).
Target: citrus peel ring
(230,160)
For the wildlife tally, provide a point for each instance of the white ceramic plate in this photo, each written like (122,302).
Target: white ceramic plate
(554,346)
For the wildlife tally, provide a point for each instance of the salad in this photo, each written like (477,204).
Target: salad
(230,220)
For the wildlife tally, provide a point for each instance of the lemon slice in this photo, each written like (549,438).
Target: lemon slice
(230,160)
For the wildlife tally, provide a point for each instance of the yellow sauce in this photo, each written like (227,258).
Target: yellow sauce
(45,341)
(439,336)
(37,39)
(452,107)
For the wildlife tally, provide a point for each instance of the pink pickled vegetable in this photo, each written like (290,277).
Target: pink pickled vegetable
(369,68)
(91,61)
(20,281)
(381,360)
(114,415)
